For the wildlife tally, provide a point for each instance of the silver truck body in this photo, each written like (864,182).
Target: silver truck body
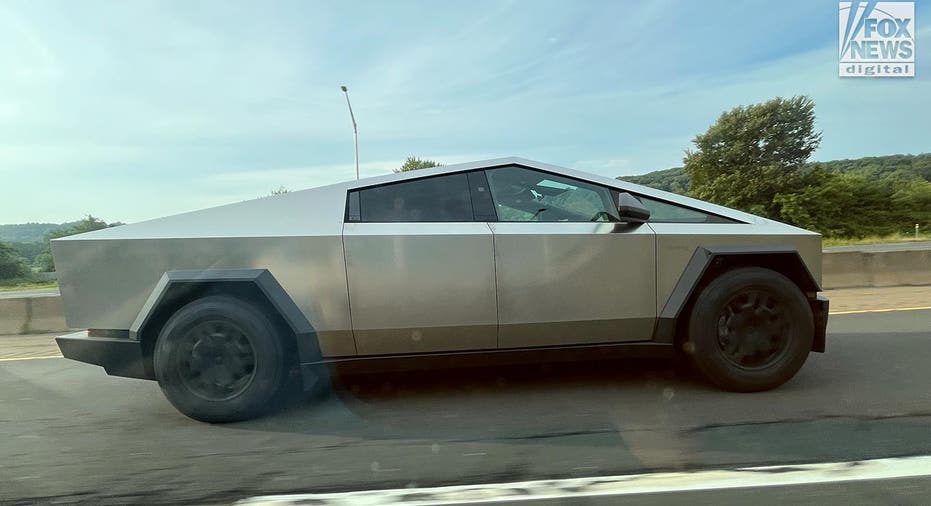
(402,288)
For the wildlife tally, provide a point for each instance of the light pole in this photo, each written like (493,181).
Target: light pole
(355,130)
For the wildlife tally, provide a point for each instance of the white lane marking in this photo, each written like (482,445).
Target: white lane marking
(16,359)
(886,310)
(767,476)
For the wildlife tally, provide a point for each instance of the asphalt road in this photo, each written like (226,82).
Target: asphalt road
(69,433)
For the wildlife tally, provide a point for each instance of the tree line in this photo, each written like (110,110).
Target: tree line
(755,158)
(19,259)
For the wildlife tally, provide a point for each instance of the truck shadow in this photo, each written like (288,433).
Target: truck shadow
(485,403)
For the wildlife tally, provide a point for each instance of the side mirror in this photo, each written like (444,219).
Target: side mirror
(630,210)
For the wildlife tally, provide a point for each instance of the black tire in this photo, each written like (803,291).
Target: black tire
(751,329)
(220,359)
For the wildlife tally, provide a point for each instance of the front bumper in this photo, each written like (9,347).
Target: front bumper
(819,310)
(118,356)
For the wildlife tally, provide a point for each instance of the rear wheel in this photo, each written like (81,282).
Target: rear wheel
(750,329)
(220,359)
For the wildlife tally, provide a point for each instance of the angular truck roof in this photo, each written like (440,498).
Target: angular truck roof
(320,211)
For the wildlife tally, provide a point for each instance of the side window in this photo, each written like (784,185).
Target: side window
(671,213)
(442,198)
(527,195)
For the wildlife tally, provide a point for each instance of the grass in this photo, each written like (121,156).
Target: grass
(830,241)
(20,284)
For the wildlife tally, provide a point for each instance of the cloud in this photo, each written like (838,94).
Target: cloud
(156,108)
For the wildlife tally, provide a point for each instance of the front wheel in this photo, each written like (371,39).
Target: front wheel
(220,359)
(750,329)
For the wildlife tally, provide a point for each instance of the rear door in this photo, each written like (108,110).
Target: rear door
(420,268)
(567,272)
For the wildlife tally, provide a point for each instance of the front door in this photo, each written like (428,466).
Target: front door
(567,272)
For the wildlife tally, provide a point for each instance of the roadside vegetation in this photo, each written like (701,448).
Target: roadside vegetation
(414,163)
(22,284)
(26,262)
(876,239)
(755,158)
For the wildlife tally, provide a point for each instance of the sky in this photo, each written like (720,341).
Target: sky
(135,110)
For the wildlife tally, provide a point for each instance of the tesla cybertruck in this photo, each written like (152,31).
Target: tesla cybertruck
(499,256)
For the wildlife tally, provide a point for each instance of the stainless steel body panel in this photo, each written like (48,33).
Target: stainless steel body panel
(421,287)
(676,242)
(571,283)
(313,212)
(106,282)
(106,276)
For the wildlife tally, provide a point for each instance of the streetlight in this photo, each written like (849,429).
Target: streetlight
(355,130)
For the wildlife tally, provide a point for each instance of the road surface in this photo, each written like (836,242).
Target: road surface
(69,433)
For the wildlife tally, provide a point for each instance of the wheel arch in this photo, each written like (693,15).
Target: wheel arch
(177,288)
(708,262)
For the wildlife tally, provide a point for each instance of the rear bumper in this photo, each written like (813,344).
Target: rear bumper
(819,309)
(118,356)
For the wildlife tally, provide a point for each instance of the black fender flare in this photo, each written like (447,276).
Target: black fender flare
(181,285)
(705,260)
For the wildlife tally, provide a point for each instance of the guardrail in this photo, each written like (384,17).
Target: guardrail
(840,269)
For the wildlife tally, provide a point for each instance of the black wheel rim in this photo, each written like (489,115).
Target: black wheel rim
(216,360)
(753,329)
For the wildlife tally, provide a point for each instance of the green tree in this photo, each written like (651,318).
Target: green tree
(44,262)
(900,166)
(672,180)
(88,224)
(11,264)
(855,205)
(414,163)
(754,153)
(28,250)
(280,191)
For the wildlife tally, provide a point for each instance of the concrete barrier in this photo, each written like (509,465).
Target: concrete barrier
(31,314)
(849,269)
(840,269)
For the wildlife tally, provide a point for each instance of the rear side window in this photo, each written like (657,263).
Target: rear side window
(443,198)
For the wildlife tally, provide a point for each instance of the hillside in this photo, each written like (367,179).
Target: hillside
(898,166)
(30,232)
(672,180)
